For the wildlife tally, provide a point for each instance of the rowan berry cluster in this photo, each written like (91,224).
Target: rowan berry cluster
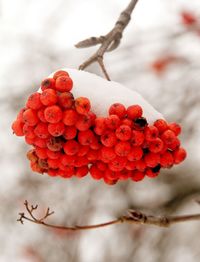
(68,139)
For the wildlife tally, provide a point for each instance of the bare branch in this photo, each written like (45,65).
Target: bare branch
(109,42)
(133,217)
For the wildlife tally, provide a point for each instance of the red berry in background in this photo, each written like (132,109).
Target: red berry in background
(152,159)
(179,155)
(30,117)
(41,152)
(54,143)
(66,100)
(112,121)
(71,147)
(95,172)
(137,138)
(188,18)
(41,130)
(151,133)
(83,122)
(34,102)
(40,114)
(135,154)
(166,159)
(70,132)
(176,128)
(168,137)
(117,109)
(137,176)
(56,129)
(107,154)
(82,105)
(81,171)
(108,139)
(161,125)
(134,111)
(118,163)
(123,132)
(48,83)
(63,84)
(85,137)
(60,73)
(156,145)
(17,127)
(70,117)
(48,97)
(53,114)
(122,148)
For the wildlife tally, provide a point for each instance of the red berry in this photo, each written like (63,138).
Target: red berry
(36,168)
(48,97)
(134,111)
(127,122)
(161,125)
(53,154)
(17,127)
(109,139)
(41,152)
(68,160)
(166,159)
(30,117)
(20,114)
(40,114)
(64,84)
(137,176)
(53,114)
(48,83)
(152,159)
(150,173)
(70,117)
(93,155)
(85,137)
(100,125)
(109,181)
(66,100)
(156,145)
(176,128)
(111,175)
(52,172)
(53,163)
(95,172)
(82,105)
(81,161)
(118,163)
(56,129)
(107,154)
(40,142)
(41,130)
(54,143)
(83,150)
(34,102)
(92,117)
(122,148)
(124,174)
(168,137)
(174,145)
(60,73)
(29,131)
(101,166)
(135,154)
(70,132)
(71,147)
(179,155)
(83,122)
(140,165)
(31,155)
(117,109)
(82,171)
(123,132)
(112,121)
(95,144)
(188,18)
(131,165)
(137,138)
(67,173)
(151,133)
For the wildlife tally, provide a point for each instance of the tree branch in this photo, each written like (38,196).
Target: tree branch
(133,217)
(109,42)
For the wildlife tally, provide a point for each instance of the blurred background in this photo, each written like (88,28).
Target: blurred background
(159,57)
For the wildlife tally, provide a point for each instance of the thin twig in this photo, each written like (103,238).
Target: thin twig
(108,42)
(133,217)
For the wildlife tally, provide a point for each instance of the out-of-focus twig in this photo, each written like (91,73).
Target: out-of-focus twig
(133,217)
(108,42)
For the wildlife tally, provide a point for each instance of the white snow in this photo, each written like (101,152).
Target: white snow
(103,94)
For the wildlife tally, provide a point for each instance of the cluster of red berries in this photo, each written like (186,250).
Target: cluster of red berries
(68,139)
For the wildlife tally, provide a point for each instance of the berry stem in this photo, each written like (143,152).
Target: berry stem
(133,217)
(108,42)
